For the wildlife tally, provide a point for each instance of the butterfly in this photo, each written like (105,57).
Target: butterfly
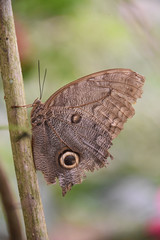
(73,130)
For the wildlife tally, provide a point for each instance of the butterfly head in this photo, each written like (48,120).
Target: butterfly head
(36,111)
(36,102)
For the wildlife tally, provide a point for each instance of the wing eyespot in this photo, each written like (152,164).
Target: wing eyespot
(76,118)
(69,160)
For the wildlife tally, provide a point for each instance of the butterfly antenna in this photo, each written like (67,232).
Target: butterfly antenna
(39,78)
(45,73)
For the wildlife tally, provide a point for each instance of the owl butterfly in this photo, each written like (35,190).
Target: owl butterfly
(73,130)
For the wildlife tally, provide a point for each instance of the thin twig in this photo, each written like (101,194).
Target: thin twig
(9,204)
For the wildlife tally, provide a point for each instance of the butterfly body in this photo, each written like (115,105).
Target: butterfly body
(73,130)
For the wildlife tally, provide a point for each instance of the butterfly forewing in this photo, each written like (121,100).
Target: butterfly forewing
(106,95)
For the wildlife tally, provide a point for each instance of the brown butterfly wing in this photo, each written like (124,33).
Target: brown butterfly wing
(83,117)
(58,134)
(106,95)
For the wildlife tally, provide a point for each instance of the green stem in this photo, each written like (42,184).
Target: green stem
(22,154)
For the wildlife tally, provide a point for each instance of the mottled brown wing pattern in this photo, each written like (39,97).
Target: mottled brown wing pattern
(96,86)
(106,95)
(73,129)
(112,112)
(57,135)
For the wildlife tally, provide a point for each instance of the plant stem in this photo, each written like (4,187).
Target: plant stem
(9,205)
(22,154)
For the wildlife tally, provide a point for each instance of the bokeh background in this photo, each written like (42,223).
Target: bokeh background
(72,39)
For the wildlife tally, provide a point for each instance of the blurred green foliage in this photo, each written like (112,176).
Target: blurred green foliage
(41,9)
